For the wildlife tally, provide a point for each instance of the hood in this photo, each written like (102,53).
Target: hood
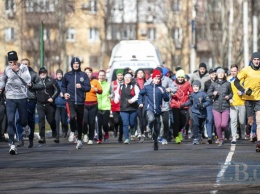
(75,59)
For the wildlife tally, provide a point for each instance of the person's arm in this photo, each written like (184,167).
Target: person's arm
(141,96)
(210,90)
(37,83)
(172,86)
(137,90)
(207,101)
(99,88)
(3,80)
(25,74)
(230,96)
(241,76)
(85,87)
(56,90)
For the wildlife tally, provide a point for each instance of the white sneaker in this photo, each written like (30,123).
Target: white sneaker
(90,142)
(164,142)
(71,137)
(85,138)
(26,130)
(13,150)
(79,144)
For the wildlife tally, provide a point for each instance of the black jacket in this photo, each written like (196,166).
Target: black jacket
(51,90)
(36,85)
(224,89)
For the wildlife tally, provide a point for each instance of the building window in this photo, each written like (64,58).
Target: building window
(93,34)
(9,34)
(151,33)
(91,6)
(177,37)
(9,4)
(93,61)
(70,34)
(176,5)
(40,5)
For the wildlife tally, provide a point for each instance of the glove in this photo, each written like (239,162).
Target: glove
(249,91)
(200,106)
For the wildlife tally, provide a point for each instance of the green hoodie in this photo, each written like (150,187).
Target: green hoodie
(103,100)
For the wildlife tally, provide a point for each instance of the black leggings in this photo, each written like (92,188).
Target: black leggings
(180,120)
(90,113)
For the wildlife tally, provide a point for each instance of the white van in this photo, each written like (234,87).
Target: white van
(135,54)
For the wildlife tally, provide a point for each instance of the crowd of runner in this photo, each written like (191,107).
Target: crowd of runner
(209,106)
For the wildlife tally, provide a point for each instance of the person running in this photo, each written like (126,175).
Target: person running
(15,80)
(250,76)
(104,107)
(155,94)
(221,92)
(91,108)
(115,107)
(201,75)
(180,114)
(74,86)
(60,112)
(127,93)
(199,101)
(237,107)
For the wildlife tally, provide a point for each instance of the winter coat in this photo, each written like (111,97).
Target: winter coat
(182,94)
(224,89)
(202,79)
(36,84)
(155,95)
(103,100)
(60,101)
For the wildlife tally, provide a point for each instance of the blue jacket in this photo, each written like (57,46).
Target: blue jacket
(60,101)
(195,99)
(154,96)
(69,81)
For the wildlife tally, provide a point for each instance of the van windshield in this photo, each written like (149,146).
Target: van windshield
(147,72)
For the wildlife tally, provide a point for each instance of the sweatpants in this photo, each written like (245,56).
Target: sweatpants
(237,116)
(221,122)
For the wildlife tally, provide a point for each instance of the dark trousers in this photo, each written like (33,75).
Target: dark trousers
(141,115)
(2,119)
(90,113)
(61,117)
(46,111)
(31,120)
(155,126)
(118,124)
(76,117)
(180,120)
(165,120)
(198,125)
(11,106)
(103,120)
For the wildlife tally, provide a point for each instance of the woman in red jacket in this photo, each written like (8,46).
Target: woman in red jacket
(180,97)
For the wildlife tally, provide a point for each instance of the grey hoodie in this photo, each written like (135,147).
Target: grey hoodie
(167,83)
(14,87)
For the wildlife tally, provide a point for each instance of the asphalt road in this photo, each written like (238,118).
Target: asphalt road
(136,168)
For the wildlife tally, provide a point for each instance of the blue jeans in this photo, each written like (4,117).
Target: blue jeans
(209,121)
(128,118)
(11,106)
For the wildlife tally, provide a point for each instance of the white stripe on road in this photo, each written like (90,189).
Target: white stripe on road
(226,164)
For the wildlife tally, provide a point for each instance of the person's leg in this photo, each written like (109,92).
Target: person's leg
(86,120)
(225,119)
(100,124)
(58,120)
(241,119)
(80,114)
(105,123)
(92,121)
(10,112)
(217,119)
(64,121)
(125,119)
(50,116)
(156,128)
(176,115)
(209,121)
(233,122)
(41,123)
(72,115)
(196,127)
(31,118)
(165,120)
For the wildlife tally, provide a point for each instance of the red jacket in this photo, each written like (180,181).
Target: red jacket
(114,107)
(182,94)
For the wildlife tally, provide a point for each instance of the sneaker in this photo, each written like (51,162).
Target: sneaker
(79,144)
(30,143)
(20,143)
(99,141)
(253,138)
(217,141)
(195,142)
(141,139)
(186,136)
(95,137)
(209,141)
(220,143)
(180,136)
(233,142)
(155,146)
(160,139)
(247,137)
(132,137)
(177,140)
(126,141)
(26,130)
(106,136)
(164,142)
(257,149)
(13,150)
(64,134)
(56,140)
(71,137)
(42,141)
(85,138)
(90,142)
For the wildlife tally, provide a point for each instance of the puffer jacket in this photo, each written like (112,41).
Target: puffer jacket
(36,84)
(182,94)
(60,101)
(224,89)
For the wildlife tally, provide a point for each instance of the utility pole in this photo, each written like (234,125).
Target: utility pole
(230,33)
(41,45)
(193,50)
(245,29)
(255,24)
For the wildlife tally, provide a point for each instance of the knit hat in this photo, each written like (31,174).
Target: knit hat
(165,71)
(128,75)
(202,64)
(178,68)
(212,71)
(180,73)
(160,69)
(156,73)
(121,71)
(59,71)
(73,60)
(255,55)
(220,70)
(12,56)
(196,83)
(42,70)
